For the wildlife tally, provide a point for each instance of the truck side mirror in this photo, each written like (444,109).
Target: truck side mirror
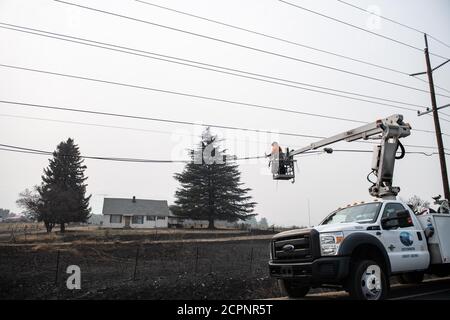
(389,223)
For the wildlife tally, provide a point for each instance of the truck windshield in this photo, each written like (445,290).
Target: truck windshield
(363,213)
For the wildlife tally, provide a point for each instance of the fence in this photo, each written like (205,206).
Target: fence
(154,270)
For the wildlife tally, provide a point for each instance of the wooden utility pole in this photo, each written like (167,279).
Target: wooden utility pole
(437,124)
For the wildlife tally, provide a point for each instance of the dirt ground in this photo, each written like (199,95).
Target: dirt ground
(218,265)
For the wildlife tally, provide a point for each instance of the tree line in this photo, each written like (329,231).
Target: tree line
(210,188)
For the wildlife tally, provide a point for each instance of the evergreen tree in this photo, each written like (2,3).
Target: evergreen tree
(63,188)
(4,213)
(263,224)
(253,223)
(210,186)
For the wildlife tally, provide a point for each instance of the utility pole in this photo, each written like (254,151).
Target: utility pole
(437,125)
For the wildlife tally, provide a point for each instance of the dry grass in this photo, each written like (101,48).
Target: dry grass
(35,233)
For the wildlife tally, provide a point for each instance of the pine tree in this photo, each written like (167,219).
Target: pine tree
(210,186)
(63,188)
(263,224)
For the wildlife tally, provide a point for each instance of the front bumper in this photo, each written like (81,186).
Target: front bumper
(322,270)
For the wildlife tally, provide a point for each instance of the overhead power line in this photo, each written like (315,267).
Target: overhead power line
(90,124)
(286,41)
(252,105)
(405,26)
(302,45)
(443,119)
(18,149)
(131,128)
(42,152)
(241,103)
(13,148)
(248,47)
(45,153)
(245,104)
(99,125)
(212,67)
(170,92)
(357,27)
(393,21)
(121,115)
(239,75)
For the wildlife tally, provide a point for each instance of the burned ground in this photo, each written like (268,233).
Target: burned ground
(188,269)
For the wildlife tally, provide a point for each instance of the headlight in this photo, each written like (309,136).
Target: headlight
(329,243)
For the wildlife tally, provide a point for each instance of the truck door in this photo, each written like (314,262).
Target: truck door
(406,245)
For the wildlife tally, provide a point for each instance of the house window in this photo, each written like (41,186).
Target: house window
(161,218)
(138,219)
(151,218)
(115,218)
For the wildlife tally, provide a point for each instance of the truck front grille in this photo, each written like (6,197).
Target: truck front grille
(293,248)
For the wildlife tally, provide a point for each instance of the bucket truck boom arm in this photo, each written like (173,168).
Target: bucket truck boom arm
(388,130)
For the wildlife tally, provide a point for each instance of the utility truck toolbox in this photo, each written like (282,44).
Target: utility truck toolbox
(439,241)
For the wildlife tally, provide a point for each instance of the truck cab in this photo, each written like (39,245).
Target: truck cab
(358,247)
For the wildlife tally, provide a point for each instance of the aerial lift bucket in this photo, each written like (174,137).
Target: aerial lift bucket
(283,166)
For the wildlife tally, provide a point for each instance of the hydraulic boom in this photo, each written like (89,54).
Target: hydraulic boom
(388,131)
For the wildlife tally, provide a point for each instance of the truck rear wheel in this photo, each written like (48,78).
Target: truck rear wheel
(292,288)
(411,278)
(367,281)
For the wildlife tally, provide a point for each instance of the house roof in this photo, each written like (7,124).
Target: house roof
(138,207)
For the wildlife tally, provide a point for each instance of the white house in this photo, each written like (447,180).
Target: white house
(135,213)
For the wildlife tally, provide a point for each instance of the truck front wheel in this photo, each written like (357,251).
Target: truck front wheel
(367,281)
(292,288)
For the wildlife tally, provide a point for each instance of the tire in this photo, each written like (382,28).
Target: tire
(293,289)
(367,281)
(411,278)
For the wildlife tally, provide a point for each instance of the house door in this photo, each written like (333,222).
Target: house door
(127,221)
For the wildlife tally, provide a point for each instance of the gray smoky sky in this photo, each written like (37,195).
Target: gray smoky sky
(328,181)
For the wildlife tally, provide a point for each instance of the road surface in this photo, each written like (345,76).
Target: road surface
(432,289)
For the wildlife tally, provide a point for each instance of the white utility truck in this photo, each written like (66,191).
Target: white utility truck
(360,246)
